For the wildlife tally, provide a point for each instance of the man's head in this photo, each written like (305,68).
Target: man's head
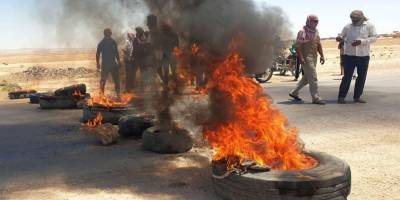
(139,31)
(357,17)
(312,21)
(107,32)
(151,21)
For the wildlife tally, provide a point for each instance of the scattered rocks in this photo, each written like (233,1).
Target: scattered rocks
(38,72)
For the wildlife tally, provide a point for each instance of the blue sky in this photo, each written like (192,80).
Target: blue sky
(22,28)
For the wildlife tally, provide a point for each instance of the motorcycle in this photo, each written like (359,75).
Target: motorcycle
(280,64)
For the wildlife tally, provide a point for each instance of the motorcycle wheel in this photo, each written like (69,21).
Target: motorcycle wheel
(282,72)
(264,77)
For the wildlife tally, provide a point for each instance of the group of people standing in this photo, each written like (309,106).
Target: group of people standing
(150,52)
(355,38)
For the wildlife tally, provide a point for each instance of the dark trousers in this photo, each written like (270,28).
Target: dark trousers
(114,71)
(350,63)
(130,75)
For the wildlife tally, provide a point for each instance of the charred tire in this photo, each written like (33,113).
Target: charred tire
(135,125)
(57,102)
(168,142)
(331,179)
(264,77)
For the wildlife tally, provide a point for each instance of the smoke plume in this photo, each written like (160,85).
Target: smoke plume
(213,24)
(80,23)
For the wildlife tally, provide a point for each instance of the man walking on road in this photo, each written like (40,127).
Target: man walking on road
(357,38)
(307,46)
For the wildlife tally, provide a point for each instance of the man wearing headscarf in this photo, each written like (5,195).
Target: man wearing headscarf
(308,46)
(357,37)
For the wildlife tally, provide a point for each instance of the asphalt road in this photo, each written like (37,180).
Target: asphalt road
(44,156)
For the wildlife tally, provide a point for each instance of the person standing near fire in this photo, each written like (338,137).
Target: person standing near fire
(357,37)
(140,56)
(154,56)
(130,69)
(110,61)
(169,41)
(308,45)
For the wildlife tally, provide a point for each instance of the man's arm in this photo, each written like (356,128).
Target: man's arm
(98,52)
(342,35)
(298,48)
(321,53)
(300,55)
(117,54)
(372,35)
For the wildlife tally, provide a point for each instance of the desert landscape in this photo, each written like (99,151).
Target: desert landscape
(56,161)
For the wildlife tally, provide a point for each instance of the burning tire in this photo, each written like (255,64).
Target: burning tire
(172,141)
(110,115)
(331,179)
(70,90)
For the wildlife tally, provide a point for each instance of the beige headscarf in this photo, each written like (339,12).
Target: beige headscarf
(359,17)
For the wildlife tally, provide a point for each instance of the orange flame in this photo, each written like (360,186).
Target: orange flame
(77,94)
(103,100)
(255,130)
(95,122)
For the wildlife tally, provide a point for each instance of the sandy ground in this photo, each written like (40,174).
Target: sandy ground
(44,156)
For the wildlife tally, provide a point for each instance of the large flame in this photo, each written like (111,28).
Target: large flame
(255,130)
(105,101)
(97,121)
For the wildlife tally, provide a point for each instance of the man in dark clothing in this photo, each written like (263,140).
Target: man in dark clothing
(169,40)
(154,58)
(141,56)
(130,69)
(110,62)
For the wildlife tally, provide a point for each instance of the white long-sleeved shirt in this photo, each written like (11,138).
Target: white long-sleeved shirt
(366,33)
(128,49)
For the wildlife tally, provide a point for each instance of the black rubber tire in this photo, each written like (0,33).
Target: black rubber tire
(167,142)
(23,94)
(331,179)
(57,102)
(135,125)
(69,91)
(264,77)
(111,116)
